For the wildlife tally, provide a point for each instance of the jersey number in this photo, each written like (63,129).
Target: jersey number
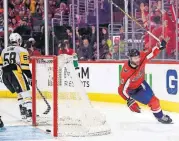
(9,58)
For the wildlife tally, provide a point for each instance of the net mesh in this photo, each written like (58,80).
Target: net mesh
(76,116)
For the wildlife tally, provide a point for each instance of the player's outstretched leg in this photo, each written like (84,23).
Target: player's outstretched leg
(144,95)
(27,104)
(1,123)
(154,104)
(21,107)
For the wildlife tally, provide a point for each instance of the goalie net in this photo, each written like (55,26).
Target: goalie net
(71,112)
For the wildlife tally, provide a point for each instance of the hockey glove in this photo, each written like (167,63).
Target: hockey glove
(133,106)
(162,45)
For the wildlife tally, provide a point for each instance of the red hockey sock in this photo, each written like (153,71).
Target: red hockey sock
(154,104)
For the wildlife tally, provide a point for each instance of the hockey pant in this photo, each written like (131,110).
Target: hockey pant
(145,95)
(16,81)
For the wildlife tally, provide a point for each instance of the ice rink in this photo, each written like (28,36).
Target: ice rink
(125,125)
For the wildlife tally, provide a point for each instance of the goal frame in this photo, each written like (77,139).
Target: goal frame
(55,91)
(86,120)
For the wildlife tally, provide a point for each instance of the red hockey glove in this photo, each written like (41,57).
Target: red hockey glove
(133,106)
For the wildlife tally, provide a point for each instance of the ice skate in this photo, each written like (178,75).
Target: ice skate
(29,115)
(165,119)
(23,112)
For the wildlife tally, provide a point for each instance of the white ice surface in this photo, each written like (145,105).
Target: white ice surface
(125,125)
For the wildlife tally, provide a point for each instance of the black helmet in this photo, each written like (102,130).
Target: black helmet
(133,53)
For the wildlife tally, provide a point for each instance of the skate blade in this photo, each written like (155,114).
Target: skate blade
(166,122)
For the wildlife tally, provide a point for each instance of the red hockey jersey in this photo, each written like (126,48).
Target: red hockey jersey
(132,78)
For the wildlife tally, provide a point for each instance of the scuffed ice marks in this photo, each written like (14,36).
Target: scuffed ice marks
(19,133)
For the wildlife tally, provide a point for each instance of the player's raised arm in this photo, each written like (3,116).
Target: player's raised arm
(153,52)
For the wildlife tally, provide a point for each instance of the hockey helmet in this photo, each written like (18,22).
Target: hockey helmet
(133,53)
(15,38)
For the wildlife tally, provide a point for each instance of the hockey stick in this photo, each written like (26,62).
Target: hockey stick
(46,102)
(132,18)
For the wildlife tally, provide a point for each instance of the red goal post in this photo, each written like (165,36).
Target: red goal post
(55,91)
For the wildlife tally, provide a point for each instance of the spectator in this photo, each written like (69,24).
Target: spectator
(104,49)
(32,40)
(144,14)
(86,50)
(104,34)
(159,5)
(33,51)
(64,48)
(77,46)
(116,52)
(70,37)
(39,9)
(30,4)
(14,23)
(30,45)
(116,40)
(157,31)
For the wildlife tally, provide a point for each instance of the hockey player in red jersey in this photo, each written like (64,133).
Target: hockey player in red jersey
(134,88)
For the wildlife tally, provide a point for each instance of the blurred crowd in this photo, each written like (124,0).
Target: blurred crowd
(25,15)
(161,23)
(27,18)
(86,45)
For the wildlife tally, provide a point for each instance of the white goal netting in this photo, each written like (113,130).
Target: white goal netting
(76,115)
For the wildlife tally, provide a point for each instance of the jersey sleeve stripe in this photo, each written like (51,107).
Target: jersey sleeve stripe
(126,85)
(151,54)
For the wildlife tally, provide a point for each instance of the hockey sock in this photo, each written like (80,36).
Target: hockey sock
(158,114)
(27,99)
(154,104)
(20,101)
(21,106)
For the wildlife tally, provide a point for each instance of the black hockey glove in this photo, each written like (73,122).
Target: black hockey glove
(162,44)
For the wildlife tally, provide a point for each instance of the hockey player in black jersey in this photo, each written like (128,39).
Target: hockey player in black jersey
(17,74)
